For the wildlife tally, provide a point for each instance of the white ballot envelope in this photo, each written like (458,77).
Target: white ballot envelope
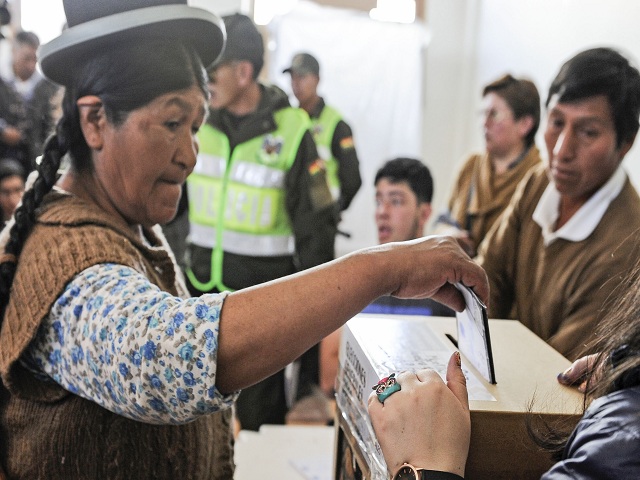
(473,334)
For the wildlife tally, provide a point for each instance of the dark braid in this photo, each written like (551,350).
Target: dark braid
(25,216)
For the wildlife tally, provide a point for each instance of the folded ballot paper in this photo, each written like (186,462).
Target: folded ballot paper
(474,340)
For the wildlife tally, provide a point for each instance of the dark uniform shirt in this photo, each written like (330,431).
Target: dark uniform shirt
(344,152)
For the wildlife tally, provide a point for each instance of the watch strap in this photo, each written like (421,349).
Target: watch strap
(437,475)
(424,474)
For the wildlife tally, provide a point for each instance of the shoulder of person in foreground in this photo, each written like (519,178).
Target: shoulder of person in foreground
(606,441)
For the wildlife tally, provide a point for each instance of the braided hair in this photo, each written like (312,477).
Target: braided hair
(125,78)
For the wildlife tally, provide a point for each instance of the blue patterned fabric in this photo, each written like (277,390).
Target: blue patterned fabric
(116,339)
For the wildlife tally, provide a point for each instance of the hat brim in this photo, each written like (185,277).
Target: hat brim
(299,71)
(60,58)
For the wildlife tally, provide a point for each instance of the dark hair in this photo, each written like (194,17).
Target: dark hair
(125,77)
(602,71)
(413,172)
(523,99)
(618,342)
(10,167)
(27,38)
(617,364)
(244,43)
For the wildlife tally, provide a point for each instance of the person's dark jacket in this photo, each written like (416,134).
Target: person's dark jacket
(32,117)
(13,113)
(606,442)
(343,150)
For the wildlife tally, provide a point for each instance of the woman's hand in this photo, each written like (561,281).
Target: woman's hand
(263,328)
(427,422)
(578,373)
(432,266)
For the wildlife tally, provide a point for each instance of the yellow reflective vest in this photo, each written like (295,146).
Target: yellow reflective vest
(323,128)
(237,199)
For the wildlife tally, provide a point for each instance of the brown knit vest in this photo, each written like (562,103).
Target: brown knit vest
(49,433)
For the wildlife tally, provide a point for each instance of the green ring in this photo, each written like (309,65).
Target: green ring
(388,391)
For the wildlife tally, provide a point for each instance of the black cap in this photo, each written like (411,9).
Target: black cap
(244,41)
(303,64)
(99,24)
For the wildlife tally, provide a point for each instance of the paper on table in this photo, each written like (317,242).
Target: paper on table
(313,468)
(412,348)
(286,452)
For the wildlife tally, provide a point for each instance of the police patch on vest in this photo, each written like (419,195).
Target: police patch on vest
(317,129)
(271,147)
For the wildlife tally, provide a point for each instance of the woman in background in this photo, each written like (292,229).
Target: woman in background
(486,181)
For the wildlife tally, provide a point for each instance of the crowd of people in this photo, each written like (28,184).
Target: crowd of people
(165,344)
(551,262)
(27,104)
(28,112)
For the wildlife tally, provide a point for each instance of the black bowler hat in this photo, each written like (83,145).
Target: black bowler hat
(99,24)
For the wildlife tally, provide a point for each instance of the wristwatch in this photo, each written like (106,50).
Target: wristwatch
(409,472)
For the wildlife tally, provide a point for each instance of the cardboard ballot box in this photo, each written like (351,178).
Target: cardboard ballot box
(374,346)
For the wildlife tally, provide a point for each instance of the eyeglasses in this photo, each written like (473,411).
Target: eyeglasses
(493,115)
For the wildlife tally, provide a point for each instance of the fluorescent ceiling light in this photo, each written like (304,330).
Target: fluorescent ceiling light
(401,11)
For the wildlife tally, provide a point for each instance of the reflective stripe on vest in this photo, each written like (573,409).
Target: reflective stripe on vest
(237,200)
(242,244)
(323,129)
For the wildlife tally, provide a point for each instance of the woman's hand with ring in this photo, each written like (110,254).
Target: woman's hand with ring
(427,423)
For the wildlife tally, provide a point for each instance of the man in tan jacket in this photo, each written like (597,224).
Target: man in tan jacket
(563,247)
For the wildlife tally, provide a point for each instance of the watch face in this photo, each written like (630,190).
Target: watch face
(406,473)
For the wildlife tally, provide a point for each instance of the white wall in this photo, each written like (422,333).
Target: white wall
(475,41)
(449,73)
(375,82)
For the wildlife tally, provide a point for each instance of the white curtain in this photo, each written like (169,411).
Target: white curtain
(373,73)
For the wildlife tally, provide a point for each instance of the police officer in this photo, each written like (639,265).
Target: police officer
(333,136)
(259,203)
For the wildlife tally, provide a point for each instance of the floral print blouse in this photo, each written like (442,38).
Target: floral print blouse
(114,338)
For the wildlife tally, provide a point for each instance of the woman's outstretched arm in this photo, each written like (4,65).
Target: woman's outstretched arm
(263,328)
